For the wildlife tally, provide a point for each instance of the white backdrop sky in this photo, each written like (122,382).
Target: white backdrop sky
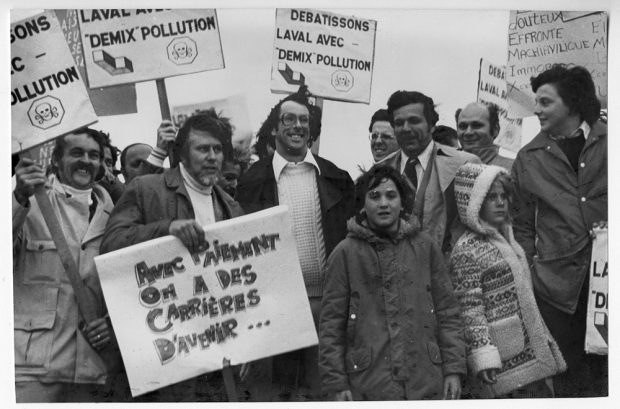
(433,47)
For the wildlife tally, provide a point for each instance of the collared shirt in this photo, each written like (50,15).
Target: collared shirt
(279,163)
(422,163)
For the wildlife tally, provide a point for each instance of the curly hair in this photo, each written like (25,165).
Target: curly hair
(372,178)
(207,121)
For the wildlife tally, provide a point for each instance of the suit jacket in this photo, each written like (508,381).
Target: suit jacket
(446,163)
(258,190)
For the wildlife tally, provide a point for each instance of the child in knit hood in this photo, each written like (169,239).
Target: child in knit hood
(390,326)
(510,352)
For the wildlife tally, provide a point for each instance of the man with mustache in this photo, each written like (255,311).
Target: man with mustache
(560,182)
(178,202)
(429,166)
(56,353)
(477,128)
(320,200)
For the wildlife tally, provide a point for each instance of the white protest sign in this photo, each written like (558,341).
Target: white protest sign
(178,315)
(492,90)
(597,322)
(331,53)
(48,96)
(539,39)
(124,46)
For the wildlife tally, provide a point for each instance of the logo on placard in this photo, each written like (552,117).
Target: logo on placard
(182,50)
(342,80)
(113,65)
(46,112)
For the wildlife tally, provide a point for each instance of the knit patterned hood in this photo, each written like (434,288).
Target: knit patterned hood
(471,185)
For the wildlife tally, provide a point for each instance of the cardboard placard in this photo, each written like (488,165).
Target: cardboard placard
(539,39)
(332,54)
(492,90)
(123,46)
(597,322)
(48,96)
(178,315)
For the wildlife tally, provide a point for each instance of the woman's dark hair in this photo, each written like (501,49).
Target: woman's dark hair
(372,179)
(575,87)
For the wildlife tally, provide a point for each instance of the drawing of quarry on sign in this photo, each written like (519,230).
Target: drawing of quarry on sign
(129,46)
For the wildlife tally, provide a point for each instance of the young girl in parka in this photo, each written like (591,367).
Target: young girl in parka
(510,352)
(390,327)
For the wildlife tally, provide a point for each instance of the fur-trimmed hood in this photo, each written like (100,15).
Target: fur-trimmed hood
(406,229)
(471,185)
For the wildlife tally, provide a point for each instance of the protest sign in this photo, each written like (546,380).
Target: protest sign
(124,46)
(331,53)
(234,107)
(539,39)
(177,315)
(492,90)
(48,96)
(117,100)
(597,322)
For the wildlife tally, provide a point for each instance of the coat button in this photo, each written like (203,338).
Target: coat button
(432,310)
(582,164)
(583,199)
(40,246)
(353,316)
(355,366)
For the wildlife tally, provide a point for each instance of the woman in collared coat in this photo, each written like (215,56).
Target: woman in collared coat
(510,352)
(390,327)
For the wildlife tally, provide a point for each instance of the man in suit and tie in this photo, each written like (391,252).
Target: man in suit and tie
(429,166)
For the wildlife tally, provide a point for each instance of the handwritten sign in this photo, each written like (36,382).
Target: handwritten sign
(118,100)
(177,315)
(48,96)
(539,39)
(331,53)
(492,90)
(124,46)
(597,322)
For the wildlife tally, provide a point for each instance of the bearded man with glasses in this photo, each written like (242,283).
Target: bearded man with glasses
(320,200)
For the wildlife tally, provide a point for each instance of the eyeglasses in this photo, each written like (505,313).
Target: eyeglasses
(291,119)
(384,136)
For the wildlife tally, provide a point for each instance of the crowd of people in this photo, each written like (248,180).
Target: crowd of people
(445,271)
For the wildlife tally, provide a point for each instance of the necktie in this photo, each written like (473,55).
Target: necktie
(410,171)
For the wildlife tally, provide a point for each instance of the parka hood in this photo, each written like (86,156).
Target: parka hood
(471,185)
(406,229)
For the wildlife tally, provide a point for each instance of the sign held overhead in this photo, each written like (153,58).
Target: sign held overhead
(331,53)
(48,96)
(127,46)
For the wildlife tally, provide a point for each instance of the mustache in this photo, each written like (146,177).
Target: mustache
(84,166)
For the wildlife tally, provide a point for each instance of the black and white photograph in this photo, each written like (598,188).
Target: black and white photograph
(310,202)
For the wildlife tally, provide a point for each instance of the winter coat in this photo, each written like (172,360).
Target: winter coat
(150,203)
(258,190)
(554,209)
(49,347)
(491,278)
(389,315)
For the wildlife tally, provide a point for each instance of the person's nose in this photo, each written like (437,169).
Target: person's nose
(537,109)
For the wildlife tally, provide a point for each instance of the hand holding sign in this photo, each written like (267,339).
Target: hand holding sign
(28,175)
(190,233)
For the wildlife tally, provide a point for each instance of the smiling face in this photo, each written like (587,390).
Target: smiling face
(204,157)
(413,132)
(382,140)
(382,205)
(474,129)
(80,161)
(292,138)
(494,209)
(554,115)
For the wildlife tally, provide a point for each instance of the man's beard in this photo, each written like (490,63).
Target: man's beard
(208,180)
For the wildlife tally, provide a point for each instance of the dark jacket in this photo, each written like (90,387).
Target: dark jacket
(389,314)
(554,209)
(258,190)
(150,203)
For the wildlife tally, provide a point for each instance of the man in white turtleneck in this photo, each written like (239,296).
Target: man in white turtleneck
(178,202)
(55,361)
